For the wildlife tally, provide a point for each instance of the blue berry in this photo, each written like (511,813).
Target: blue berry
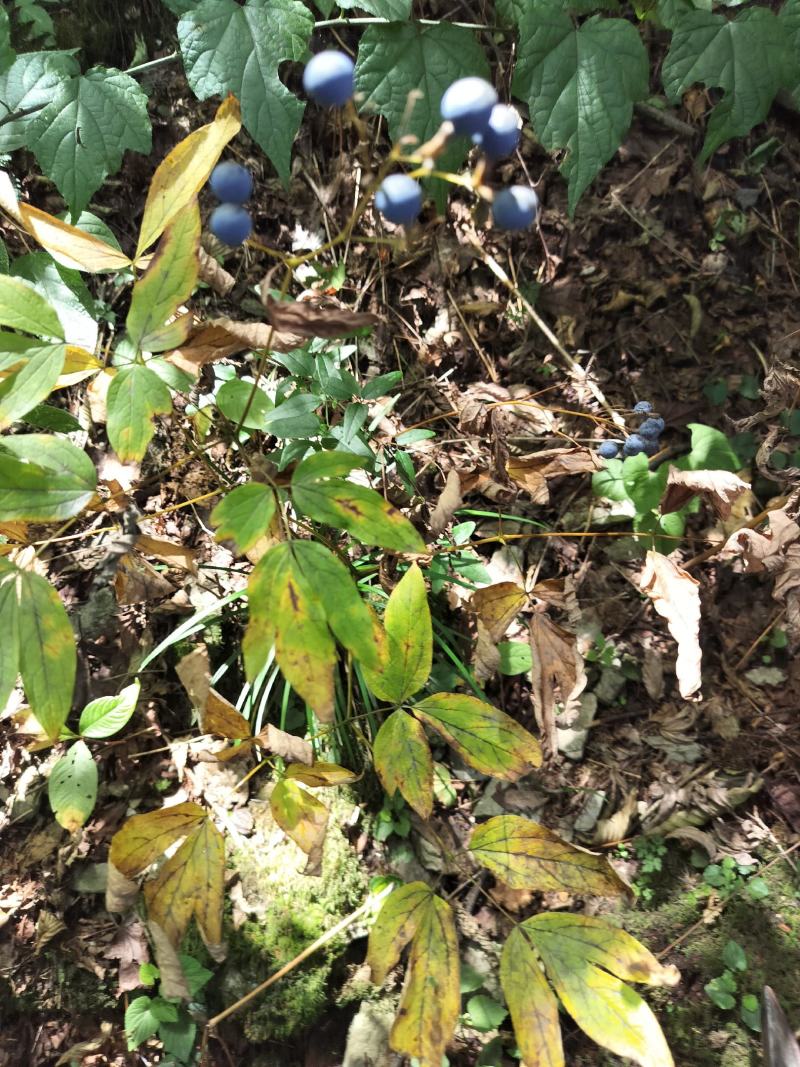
(231,183)
(634,445)
(468,104)
(644,407)
(502,134)
(515,208)
(231,224)
(608,449)
(329,78)
(651,446)
(653,427)
(399,199)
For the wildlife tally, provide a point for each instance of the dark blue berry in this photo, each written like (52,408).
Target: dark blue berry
(644,407)
(399,199)
(231,183)
(651,446)
(652,427)
(231,224)
(515,208)
(468,104)
(502,134)
(329,78)
(634,445)
(608,449)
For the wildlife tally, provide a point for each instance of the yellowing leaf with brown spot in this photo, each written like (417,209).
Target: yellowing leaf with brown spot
(431,998)
(407,653)
(525,855)
(397,922)
(532,1003)
(676,597)
(497,606)
(180,177)
(403,761)
(320,774)
(191,883)
(143,838)
(70,246)
(302,817)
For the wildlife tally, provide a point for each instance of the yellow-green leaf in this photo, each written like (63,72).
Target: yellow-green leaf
(47,657)
(588,961)
(135,395)
(525,855)
(488,739)
(244,514)
(9,626)
(69,245)
(143,838)
(397,922)
(403,761)
(171,335)
(321,774)
(32,383)
(72,787)
(300,815)
(43,478)
(533,1006)
(431,999)
(23,308)
(191,883)
(408,651)
(169,279)
(180,177)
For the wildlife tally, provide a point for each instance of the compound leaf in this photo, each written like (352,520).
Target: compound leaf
(581,84)
(488,739)
(47,656)
(135,395)
(407,654)
(244,515)
(43,478)
(234,48)
(72,787)
(525,855)
(532,1003)
(403,761)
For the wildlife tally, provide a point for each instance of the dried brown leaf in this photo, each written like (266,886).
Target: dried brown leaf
(720,488)
(676,597)
(314,315)
(557,673)
(293,749)
(447,504)
(210,272)
(194,671)
(498,605)
(169,552)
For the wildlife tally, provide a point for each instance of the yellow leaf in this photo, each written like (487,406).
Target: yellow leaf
(191,883)
(533,1006)
(302,817)
(69,245)
(78,364)
(498,605)
(407,649)
(403,761)
(144,838)
(180,177)
(397,922)
(321,774)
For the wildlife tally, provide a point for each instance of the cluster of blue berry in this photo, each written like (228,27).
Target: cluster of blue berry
(232,185)
(646,438)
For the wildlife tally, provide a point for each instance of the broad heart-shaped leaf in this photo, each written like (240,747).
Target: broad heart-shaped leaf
(747,57)
(711,450)
(580,84)
(143,838)
(244,514)
(31,384)
(169,280)
(234,48)
(355,508)
(107,715)
(23,308)
(72,787)
(30,82)
(82,133)
(403,761)
(407,652)
(403,57)
(488,739)
(588,962)
(300,815)
(525,855)
(140,1022)
(43,478)
(191,883)
(532,1003)
(183,173)
(70,246)
(135,395)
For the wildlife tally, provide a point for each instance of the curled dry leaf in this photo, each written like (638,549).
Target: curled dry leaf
(214,275)
(314,315)
(720,488)
(765,550)
(219,338)
(676,597)
(557,673)
(447,504)
(291,748)
(532,473)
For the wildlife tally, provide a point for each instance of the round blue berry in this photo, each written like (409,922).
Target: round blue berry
(651,446)
(231,224)
(502,134)
(634,445)
(515,208)
(608,449)
(652,427)
(329,78)
(644,407)
(399,199)
(231,183)
(468,104)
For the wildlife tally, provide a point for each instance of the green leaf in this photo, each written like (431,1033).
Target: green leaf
(789,18)
(197,976)
(403,761)
(485,1013)
(405,661)
(86,127)
(164,1011)
(49,417)
(43,478)
(22,308)
(393,10)
(27,387)
(72,787)
(515,657)
(581,84)
(711,450)
(135,395)
(7,53)
(178,1037)
(525,855)
(47,657)
(9,624)
(238,49)
(733,956)
(746,57)
(233,399)
(244,515)
(488,739)
(30,82)
(140,1022)
(401,57)
(294,417)
(66,292)
(107,715)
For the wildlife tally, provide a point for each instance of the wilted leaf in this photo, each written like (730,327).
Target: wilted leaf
(143,838)
(303,818)
(169,552)
(222,337)
(69,245)
(532,472)
(525,855)
(498,605)
(533,1006)
(221,717)
(138,582)
(763,550)
(321,774)
(406,657)
(317,316)
(403,761)
(288,746)
(557,672)
(720,488)
(448,503)
(676,597)
(173,984)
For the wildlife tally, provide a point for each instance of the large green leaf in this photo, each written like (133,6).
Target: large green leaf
(747,57)
(581,84)
(405,659)
(106,716)
(228,47)
(82,133)
(403,761)
(789,17)
(710,450)
(31,384)
(23,308)
(43,478)
(7,53)
(47,657)
(135,395)
(30,82)
(72,787)
(66,292)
